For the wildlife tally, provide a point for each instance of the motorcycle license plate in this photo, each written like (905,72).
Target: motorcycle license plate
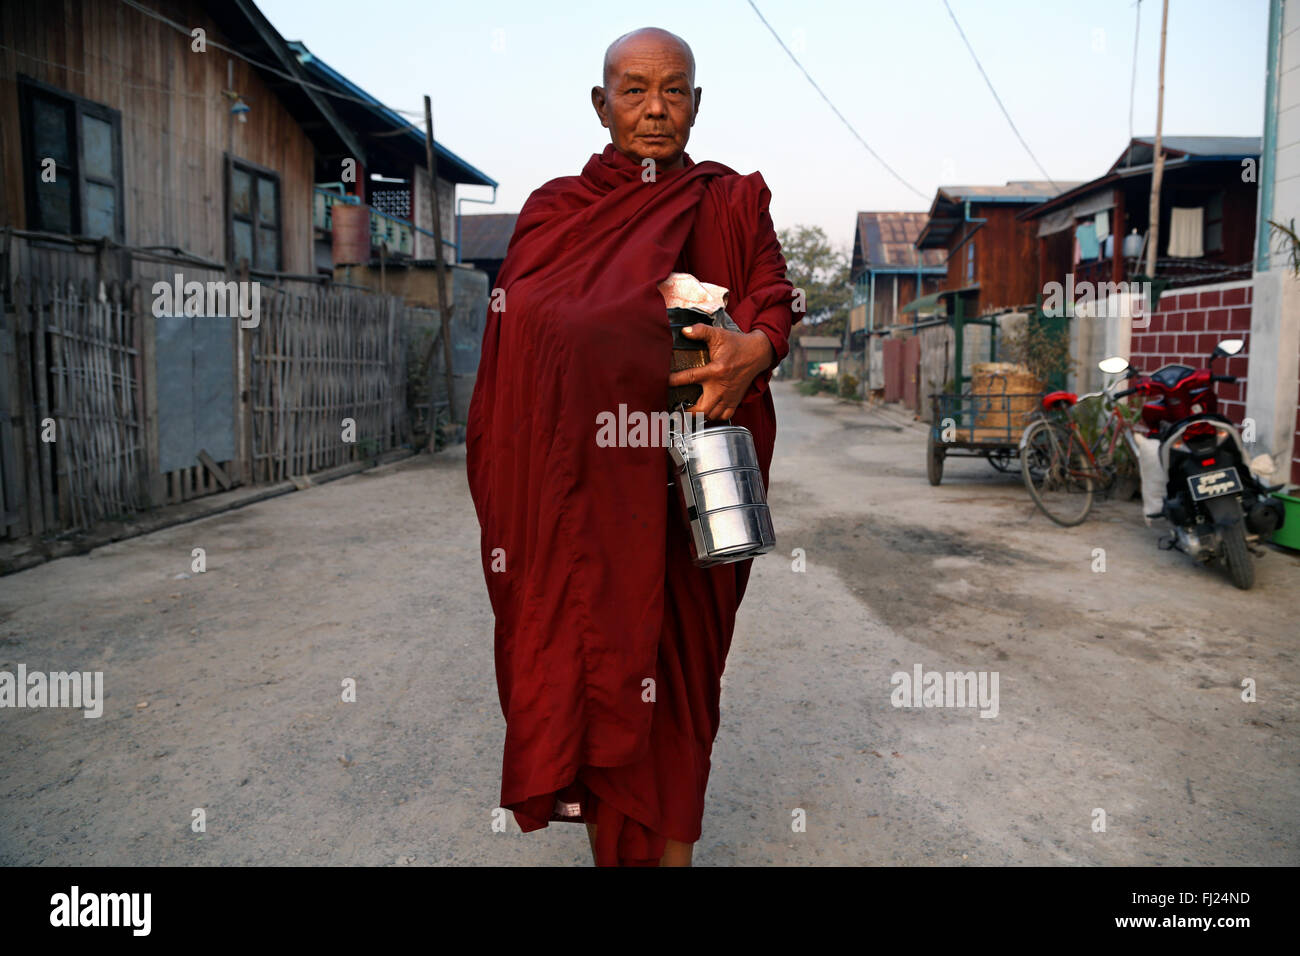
(1211,484)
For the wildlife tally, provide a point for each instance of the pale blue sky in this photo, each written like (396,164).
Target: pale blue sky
(511,80)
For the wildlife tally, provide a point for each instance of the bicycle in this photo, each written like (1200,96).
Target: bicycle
(1060,469)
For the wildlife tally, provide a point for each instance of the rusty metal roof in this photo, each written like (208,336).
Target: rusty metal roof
(887,239)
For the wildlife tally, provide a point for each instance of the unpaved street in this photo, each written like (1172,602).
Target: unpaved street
(1118,691)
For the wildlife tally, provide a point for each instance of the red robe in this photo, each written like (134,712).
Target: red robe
(584,548)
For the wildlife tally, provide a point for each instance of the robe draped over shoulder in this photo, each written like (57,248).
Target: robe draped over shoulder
(609,643)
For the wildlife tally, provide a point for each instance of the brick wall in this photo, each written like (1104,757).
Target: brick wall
(1185,328)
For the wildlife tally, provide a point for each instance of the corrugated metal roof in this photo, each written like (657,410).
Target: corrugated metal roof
(1138,156)
(946,211)
(451,167)
(1141,150)
(887,239)
(486,236)
(1017,190)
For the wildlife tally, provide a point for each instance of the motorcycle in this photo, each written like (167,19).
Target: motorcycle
(1217,507)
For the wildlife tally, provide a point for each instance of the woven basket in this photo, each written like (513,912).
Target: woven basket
(1003,378)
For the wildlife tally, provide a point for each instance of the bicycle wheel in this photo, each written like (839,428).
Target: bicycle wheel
(1056,472)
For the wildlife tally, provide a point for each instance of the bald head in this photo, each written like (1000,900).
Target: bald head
(649,99)
(647,41)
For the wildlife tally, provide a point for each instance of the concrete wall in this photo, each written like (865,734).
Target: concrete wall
(1274,398)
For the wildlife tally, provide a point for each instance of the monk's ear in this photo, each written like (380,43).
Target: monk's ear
(699,90)
(598,101)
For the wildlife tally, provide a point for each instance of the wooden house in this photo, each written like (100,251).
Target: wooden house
(187,138)
(888,271)
(1092,257)
(1207,186)
(990,255)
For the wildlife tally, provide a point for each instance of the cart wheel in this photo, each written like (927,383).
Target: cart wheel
(934,452)
(1001,460)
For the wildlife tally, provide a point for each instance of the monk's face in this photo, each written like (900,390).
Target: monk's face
(648,104)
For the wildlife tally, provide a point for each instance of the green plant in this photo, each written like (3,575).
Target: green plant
(1288,243)
(816,385)
(1091,417)
(848,386)
(1042,349)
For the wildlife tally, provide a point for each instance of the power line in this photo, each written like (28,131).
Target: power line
(832,106)
(995,95)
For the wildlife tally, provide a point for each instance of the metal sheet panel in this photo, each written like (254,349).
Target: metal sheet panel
(196,389)
(175,376)
(214,387)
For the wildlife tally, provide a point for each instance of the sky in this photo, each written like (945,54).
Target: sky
(511,80)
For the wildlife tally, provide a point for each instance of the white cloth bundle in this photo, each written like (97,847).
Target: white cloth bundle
(1154,477)
(681,290)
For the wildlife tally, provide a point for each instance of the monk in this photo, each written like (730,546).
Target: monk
(609,643)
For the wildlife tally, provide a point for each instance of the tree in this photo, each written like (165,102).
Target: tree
(822,272)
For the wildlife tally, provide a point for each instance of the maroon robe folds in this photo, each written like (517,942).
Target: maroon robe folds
(585,551)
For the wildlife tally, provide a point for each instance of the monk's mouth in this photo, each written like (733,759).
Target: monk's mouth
(655,136)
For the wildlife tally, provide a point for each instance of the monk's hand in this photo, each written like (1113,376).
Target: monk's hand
(735,360)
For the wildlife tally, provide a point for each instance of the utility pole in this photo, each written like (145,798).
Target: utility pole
(443,306)
(1158,172)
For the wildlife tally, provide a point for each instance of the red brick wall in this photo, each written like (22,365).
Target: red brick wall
(1184,330)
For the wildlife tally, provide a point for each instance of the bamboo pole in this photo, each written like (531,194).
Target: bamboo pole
(443,306)
(1158,172)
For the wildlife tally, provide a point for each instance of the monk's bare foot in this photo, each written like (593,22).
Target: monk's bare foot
(676,854)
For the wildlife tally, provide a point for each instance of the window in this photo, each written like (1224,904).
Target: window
(970,262)
(1214,223)
(252,216)
(72,152)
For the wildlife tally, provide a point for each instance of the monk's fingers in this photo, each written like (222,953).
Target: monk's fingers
(697,375)
(701,330)
(709,403)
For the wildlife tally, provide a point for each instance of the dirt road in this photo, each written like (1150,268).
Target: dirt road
(1118,691)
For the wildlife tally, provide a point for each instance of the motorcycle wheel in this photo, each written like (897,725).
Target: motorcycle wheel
(1241,566)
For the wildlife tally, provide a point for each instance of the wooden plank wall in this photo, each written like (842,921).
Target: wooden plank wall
(1006,257)
(176,124)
